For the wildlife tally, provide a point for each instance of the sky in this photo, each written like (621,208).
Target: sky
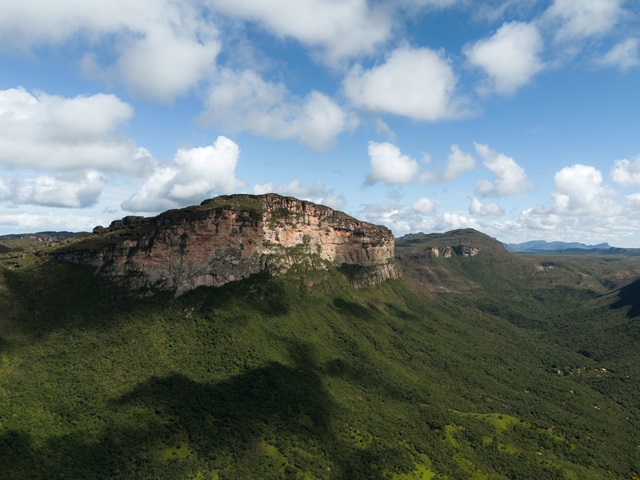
(519,118)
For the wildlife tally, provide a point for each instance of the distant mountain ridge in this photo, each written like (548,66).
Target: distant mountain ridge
(542,246)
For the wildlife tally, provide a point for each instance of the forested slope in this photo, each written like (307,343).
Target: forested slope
(303,376)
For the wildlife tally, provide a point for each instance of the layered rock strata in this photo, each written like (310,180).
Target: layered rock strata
(232,237)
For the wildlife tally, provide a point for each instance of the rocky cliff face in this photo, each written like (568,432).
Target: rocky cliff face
(449,251)
(232,237)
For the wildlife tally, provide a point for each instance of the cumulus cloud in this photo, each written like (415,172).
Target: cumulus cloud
(417,83)
(402,220)
(627,172)
(68,191)
(510,58)
(425,206)
(44,131)
(389,165)
(579,191)
(509,177)
(317,192)
(164,63)
(539,219)
(65,190)
(392,215)
(579,19)
(583,209)
(245,101)
(9,189)
(339,29)
(194,174)
(634,199)
(453,221)
(458,163)
(624,55)
(485,209)
(160,49)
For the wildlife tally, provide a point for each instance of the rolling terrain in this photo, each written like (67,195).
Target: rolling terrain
(473,364)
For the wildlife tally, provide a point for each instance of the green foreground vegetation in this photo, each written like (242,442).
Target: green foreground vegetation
(499,376)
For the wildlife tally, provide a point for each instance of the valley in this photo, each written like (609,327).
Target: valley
(473,363)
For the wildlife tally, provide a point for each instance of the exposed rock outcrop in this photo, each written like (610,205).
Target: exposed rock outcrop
(449,251)
(232,237)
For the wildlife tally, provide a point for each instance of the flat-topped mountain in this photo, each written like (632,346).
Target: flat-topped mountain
(229,238)
(457,260)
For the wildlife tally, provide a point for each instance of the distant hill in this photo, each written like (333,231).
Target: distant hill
(457,260)
(21,241)
(40,236)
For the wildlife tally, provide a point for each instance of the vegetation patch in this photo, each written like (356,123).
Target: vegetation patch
(303,376)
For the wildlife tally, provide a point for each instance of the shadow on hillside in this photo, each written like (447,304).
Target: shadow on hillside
(184,426)
(629,296)
(53,296)
(352,309)
(261,292)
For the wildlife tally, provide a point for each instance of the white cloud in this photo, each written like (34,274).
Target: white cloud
(615,229)
(44,131)
(194,175)
(627,172)
(68,191)
(339,29)
(402,220)
(389,165)
(38,222)
(393,216)
(431,3)
(624,55)
(164,64)
(454,221)
(414,83)
(511,57)
(9,189)
(160,49)
(492,11)
(578,19)
(425,206)
(485,209)
(634,199)
(458,163)
(316,193)
(245,101)
(509,177)
(579,191)
(539,219)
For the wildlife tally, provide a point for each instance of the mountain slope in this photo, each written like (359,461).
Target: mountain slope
(304,376)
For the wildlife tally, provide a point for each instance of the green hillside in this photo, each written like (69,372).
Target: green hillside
(482,367)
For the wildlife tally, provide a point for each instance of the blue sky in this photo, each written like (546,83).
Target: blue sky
(515,117)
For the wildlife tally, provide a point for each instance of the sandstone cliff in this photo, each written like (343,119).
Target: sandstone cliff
(229,238)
